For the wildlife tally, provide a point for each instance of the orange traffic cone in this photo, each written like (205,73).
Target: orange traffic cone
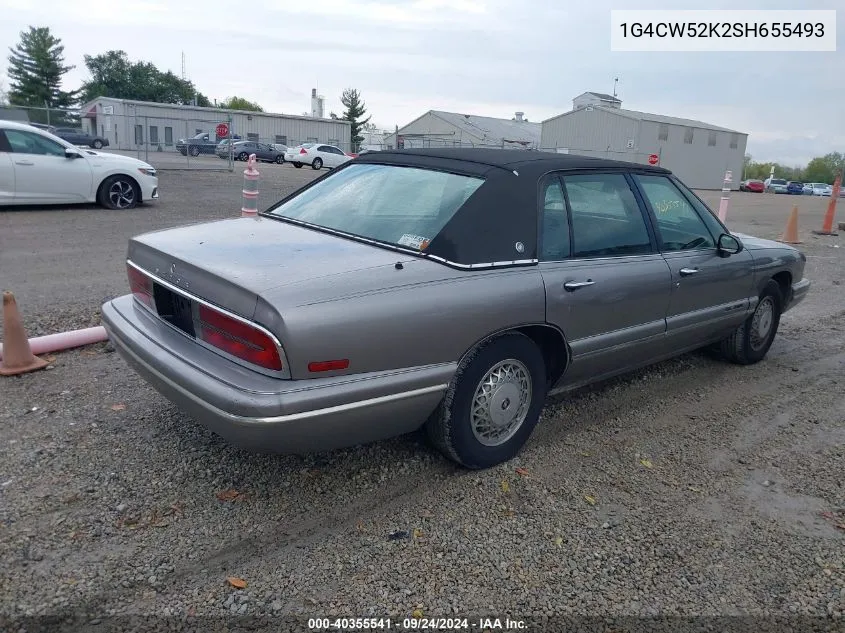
(17,355)
(790,233)
(827,226)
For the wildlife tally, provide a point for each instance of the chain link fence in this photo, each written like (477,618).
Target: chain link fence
(183,142)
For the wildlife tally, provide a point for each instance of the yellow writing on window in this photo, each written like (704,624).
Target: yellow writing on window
(664,206)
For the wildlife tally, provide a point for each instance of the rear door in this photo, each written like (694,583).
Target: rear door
(607,286)
(325,153)
(7,172)
(710,293)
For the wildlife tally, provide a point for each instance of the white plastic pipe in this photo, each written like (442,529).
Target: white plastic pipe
(66,340)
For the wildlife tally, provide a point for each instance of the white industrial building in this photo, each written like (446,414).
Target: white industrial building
(436,128)
(132,125)
(698,153)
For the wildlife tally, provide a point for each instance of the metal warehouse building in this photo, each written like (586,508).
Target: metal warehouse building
(698,153)
(133,125)
(450,129)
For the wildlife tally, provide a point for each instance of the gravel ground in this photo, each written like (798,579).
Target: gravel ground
(690,488)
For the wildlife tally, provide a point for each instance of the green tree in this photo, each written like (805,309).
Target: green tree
(36,69)
(825,168)
(355,110)
(239,103)
(113,74)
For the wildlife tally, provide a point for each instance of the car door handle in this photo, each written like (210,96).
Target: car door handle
(686,272)
(572,286)
(27,163)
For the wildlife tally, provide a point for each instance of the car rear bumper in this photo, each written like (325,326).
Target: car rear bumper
(798,293)
(262,413)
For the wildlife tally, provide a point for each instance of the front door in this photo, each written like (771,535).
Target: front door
(43,173)
(607,287)
(710,293)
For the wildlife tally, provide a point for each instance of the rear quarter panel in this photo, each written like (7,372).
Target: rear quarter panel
(427,321)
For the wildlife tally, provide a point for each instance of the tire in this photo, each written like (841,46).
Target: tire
(97,144)
(195,151)
(243,156)
(280,160)
(450,428)
(746,346)
(317,164)
(119,192)
(298,165)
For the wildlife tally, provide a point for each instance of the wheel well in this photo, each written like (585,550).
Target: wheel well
(128,177)
(784,280)
(552,345)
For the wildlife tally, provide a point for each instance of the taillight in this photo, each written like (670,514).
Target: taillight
(238,339)
(303,151)
(140,285)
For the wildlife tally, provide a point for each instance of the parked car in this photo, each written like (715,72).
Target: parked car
(756,186)
(242,149)
(821,189)
(201,143)
(37,167)
(808,189)
(441,288)
(793,187)
(775,185)
(76,136)
(316,155)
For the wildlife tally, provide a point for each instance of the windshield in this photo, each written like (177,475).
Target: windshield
(406,206)
(778,182)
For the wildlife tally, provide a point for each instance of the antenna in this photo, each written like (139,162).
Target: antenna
(183,65)
(615,81)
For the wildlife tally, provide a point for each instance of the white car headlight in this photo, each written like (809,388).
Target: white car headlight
(147,172)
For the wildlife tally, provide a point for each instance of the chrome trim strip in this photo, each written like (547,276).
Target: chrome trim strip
(290,417)
(285,373)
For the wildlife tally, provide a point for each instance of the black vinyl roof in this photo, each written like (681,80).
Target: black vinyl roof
(510,159)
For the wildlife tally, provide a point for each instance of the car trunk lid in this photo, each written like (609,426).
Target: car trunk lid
(230,263)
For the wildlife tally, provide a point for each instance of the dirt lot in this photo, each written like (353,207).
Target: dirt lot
(691,488)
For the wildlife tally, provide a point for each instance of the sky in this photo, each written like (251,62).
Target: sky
(484,57)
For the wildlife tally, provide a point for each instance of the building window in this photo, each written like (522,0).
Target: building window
(154,134)
(711,139)
(168,136)
(312,139)
(688,134)
(663,134)
(734,141)
(252,136)
(281,139)
(139,135)
(334,141)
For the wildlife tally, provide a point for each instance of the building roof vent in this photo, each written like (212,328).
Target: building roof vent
(518,116)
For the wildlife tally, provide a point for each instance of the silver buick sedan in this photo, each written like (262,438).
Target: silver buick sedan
(451,289)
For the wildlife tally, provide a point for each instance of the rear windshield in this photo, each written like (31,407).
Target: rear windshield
(404,206)
(778,182)
(308,145)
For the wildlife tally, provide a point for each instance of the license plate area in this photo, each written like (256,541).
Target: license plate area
(175,309)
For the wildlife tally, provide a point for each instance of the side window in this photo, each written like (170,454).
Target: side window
(28,143)
(606,219)
(679,224)
(323,148)
(554,229)
(704,212)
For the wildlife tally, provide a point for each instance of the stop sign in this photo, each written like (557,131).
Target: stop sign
(653,159)
(222,130)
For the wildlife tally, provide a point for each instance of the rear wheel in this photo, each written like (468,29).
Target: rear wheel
(298,165)
(195,151)
(751,341)
(317,164)
(493,403)
(119,192)
(280,159)
(97,144)
(243,156)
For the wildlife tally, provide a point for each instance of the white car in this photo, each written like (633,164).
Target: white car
(316,155)
(821,189)
(37,167)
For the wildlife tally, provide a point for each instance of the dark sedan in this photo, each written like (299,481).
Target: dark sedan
(795,188)
(77,136)
(242,149)
(451,289)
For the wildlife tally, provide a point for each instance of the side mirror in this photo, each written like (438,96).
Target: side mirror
(72,153)
(729,245)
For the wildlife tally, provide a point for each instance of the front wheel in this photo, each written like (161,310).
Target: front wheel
(195,151)
(298,165)
(493,403)
(97,144)
(317,164)
(119,192)
(751,341)
(280,159)
(243,156)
